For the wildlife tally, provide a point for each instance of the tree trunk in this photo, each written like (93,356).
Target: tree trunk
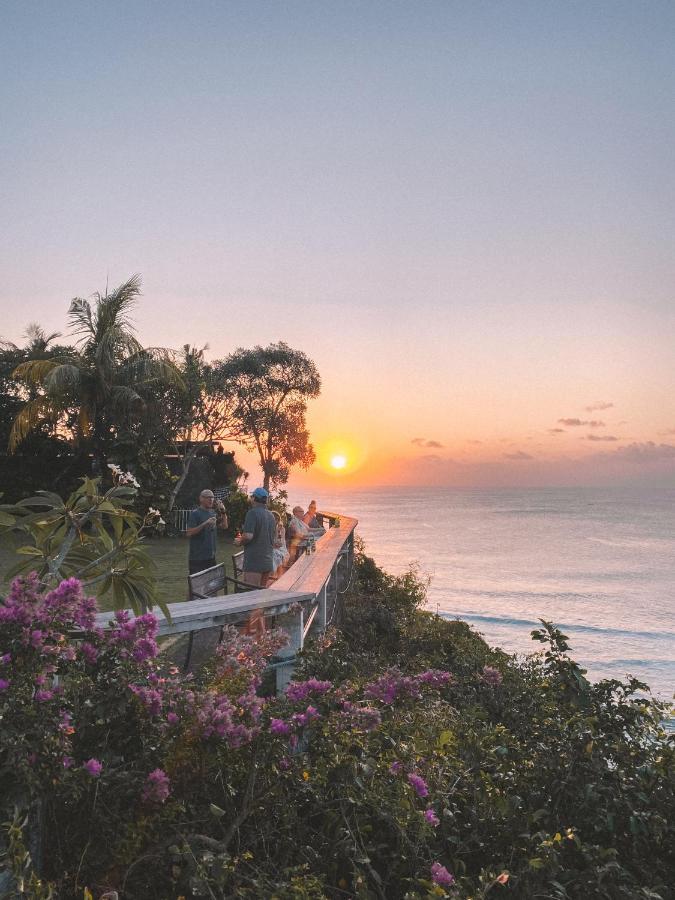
(187,462)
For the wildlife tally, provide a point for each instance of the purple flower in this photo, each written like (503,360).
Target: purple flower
(441,876)
(42,696)
(5,659)
(435,678)
(365,718)
(418,784)
(67,762)
(392,685)
(94,767)
(89,652)
(36,638)
(492,676)
(396,767)
(4,684)
(145,648)
(278,726)
(284,763)
(157,787)
(300,720)
(172,718)
(300,690)
(431,817)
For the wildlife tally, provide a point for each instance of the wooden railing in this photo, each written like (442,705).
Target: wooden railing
(304,600)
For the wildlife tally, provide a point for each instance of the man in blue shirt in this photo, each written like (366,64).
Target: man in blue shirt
(201,529)
(258,538)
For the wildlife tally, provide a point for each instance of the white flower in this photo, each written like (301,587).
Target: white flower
(152,511)
(127,478)
(161,521)
(114,469)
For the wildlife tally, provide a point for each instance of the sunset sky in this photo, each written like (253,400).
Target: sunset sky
(464,212)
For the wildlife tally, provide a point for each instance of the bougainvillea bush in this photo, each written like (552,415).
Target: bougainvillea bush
(406,760)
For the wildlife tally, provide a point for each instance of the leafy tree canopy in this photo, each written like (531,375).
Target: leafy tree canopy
(270,387)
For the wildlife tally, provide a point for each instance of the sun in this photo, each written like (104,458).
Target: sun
(339,461)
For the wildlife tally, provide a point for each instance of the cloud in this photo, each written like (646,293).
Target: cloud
(596,407)
(646,452)
(667,433)
(423,442)
(556,431)
(474,441)
(590,423)
(601,437)
(518,455)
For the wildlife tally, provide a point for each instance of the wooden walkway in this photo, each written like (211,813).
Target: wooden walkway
(304,600)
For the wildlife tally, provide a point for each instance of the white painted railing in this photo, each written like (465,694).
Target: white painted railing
(304,600)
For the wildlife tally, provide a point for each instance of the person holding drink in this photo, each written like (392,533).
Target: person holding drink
(202,524)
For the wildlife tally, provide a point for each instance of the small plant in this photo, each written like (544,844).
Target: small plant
(93,536)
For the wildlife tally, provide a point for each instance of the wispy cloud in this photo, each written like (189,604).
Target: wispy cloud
(601,437)
(589,423)
(423,442)
(433,458)
(556,431)
(596,407)
(518,455)
(646,452)
(667,433)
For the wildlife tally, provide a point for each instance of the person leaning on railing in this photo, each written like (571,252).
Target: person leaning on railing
(297,534)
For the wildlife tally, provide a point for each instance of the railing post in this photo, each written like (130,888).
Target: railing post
(293,623)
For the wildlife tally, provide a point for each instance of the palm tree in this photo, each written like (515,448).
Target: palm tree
(103,382)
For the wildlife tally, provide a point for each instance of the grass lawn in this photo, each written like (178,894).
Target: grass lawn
(170,555)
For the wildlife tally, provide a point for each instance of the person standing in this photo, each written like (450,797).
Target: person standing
(258,537)
(201,529)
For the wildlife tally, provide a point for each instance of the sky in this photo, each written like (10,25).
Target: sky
(463,212)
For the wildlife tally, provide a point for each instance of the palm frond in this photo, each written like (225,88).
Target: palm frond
(152,364)
(115,343)
(34,371)
(34,413)
(123,399)
(63,379)
(113,309)
(38,339)
(80,317)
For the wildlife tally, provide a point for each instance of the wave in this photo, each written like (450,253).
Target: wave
(563,626)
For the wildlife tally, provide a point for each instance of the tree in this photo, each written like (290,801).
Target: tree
(44,453)
(103,383)
(270,387)
(199,415)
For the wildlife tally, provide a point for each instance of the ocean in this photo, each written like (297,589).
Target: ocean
(600,563)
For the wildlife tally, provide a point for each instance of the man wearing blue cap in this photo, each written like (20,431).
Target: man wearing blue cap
(257,538)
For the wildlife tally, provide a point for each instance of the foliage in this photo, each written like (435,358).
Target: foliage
(95,390)
(43,451)
(93,536)
(270,387)
(407,760)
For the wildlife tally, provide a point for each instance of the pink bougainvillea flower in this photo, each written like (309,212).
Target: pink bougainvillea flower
(94,767)
(418,784)
(157,787)
(431,817)
(278,726)
(441,876)
(492,676)
(4,684)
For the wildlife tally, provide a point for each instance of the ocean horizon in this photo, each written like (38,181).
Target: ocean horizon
(599,562)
